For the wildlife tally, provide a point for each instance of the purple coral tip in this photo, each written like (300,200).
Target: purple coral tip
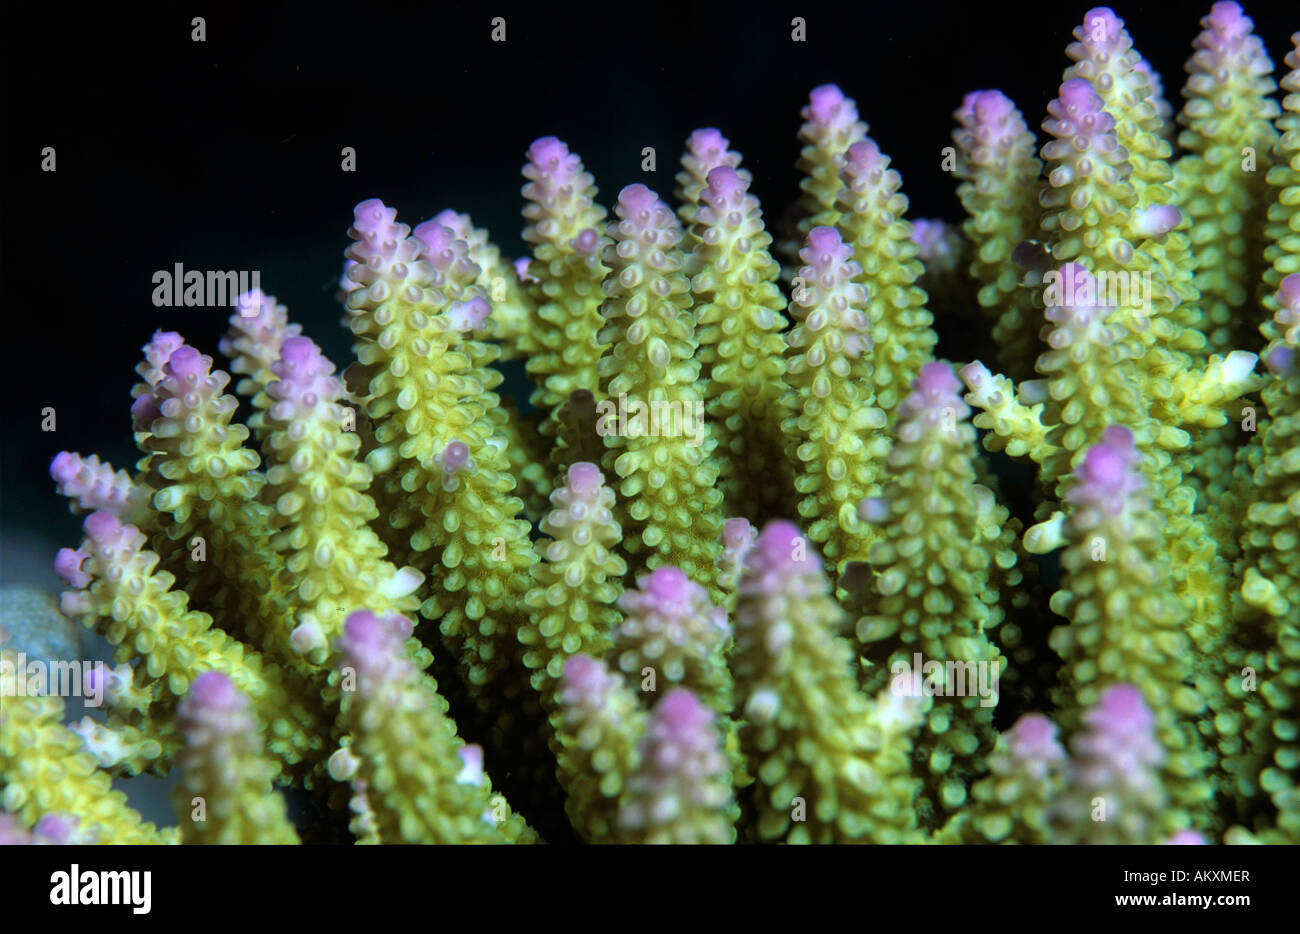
(1078,94)
(1229,19)
(55,829)
(1280,359)
(67,564)
(824,241)
(824,102)
(863,156)
(297,350)
(186,363)
(937,379)
(370,215)
(548,153)
(1033,736)
(584,478)
(778,541)
(1119,438)
(986,106)
(581,671)
(447,218)
(681,712)
(365,630)
(636,200)
(64,467)
(1288,293)
(724,183)
(1101,18)
(1104,467)
(707,141)
(736,533)
(251,303)
(101,526)
(470,315)
(1156,221)
(435,237)
(215,691)
(1122,707)
(667,586)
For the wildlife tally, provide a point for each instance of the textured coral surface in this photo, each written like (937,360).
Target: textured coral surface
(749,564)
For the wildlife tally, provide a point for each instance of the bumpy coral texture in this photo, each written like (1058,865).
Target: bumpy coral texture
(739,568)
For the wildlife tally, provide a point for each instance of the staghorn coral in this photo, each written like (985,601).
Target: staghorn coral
(780,574)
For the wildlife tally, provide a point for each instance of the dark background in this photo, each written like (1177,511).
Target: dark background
(226,154)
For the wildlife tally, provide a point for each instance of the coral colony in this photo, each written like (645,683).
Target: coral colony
(743,572)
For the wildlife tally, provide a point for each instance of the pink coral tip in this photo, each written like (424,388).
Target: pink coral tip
(1101,25)
(1156,221)
(584,478)
(448,218)
(215,691)
(1077,94)
(681,712)
(521,270)
(435,237)
(1288,293)
(724,184)
(1119,438)
(55,829)
(581,671)
(736,533)
(101,526)
(470,315)
(186,363)
(1122,707)
(779,542)
(363,629)
(1187,837)
(64,467)
(937,379)
(1033,735)
(67,564)
(1229,19)
(864,156)
(668,587)
(1104,467)
(548,153)
(825,101)
(144,410)
(1280,359)
(370,215)
(297,350)
(825,240)
(987,106)
(707,141)
(636,200)
(251,303)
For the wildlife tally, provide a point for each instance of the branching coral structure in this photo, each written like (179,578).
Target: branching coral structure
(744,567)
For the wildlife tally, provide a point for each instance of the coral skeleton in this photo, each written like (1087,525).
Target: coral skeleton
(744,566)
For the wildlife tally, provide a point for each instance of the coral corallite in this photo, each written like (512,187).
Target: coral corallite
(746,562)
